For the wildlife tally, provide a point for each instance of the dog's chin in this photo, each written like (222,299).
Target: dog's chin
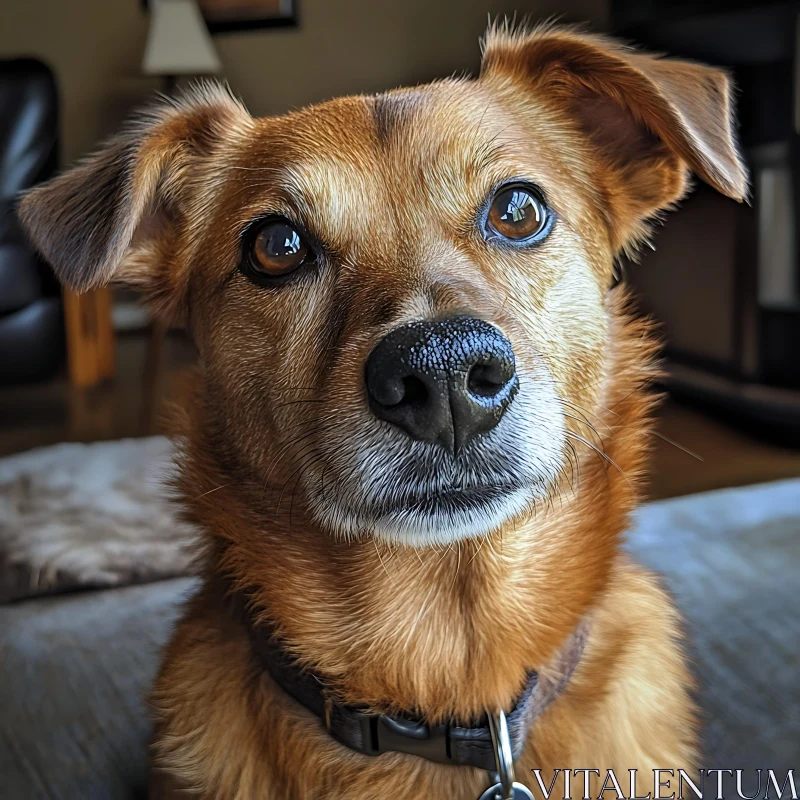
(436,520)
(452,517)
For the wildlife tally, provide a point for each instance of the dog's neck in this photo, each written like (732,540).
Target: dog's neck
(445,632)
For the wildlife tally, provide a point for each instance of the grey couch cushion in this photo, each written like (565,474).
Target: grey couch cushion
(74,674)
(731,558)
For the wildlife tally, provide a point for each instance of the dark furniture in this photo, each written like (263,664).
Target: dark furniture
(31,324)
(725,278)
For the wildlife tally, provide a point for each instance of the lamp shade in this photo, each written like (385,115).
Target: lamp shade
(178,42)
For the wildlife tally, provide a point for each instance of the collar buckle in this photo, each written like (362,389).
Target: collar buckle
(383,734)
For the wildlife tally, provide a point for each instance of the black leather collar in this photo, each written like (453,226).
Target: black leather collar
(372,734)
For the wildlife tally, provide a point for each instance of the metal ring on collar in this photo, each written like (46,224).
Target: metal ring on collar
(501,743)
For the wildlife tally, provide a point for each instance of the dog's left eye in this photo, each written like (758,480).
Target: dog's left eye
(277,249)
(518,214)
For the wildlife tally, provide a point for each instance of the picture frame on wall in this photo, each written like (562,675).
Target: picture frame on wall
(224,16)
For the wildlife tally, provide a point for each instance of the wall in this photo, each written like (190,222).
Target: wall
(341,46)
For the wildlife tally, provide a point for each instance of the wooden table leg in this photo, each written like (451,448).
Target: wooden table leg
(90,336)
(152,366)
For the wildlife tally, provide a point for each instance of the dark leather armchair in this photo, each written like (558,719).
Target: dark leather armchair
(31,325)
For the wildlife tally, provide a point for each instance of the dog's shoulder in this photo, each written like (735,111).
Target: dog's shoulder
(632,683)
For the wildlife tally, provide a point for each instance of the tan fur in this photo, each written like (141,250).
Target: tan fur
(391,185)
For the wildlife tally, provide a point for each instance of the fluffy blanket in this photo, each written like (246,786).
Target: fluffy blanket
(88,515)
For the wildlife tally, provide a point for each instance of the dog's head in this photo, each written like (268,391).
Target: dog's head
(400,300)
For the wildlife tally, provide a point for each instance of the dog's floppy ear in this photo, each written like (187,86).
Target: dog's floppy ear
(649,119)
(116,216)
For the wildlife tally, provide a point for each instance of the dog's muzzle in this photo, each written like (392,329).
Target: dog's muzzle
(446,381)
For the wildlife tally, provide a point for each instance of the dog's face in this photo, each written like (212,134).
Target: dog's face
(400,301)
(394,305)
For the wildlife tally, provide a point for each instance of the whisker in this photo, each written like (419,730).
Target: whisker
(679,446)
(478,549)
(321,425)
(458,563)
(584,422)
(210,491)
(661,436)
(601,454)
(375,542)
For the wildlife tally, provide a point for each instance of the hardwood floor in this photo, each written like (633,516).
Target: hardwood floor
(46,413)
(720,455)
(41,414)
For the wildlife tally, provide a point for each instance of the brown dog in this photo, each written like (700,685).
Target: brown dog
(421,419)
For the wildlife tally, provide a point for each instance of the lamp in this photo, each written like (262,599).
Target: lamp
(178,42)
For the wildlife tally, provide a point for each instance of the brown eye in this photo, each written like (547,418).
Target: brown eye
(278,249)
(518,213)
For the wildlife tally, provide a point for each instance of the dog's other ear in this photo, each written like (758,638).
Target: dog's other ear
(118,215)
(649,119)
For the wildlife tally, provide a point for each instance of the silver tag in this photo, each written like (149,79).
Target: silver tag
(496,792)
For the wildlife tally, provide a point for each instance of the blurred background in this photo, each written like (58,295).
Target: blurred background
(723,279)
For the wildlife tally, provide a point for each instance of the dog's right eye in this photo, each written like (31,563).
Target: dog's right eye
(276,250)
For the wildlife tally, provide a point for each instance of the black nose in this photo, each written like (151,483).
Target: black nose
(442,381)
